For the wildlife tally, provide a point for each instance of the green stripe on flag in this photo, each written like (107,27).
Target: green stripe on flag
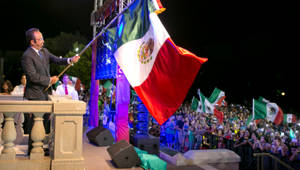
(134,23)
(202,99)
(214,96)
(261,99)
(284,118)
(260,109)
(249,120)
(194,104)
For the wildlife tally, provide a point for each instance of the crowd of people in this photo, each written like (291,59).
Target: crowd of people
(64,87)
(189,130)
(7,87)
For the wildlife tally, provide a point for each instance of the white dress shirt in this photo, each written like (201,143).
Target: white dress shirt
(60,90)
(18,90)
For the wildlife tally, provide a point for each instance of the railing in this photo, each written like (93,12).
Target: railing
(65,136)
(261,164)
(249,159)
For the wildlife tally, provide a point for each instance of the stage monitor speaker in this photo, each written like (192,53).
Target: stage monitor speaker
(123,155)
(148,143)
(100,136)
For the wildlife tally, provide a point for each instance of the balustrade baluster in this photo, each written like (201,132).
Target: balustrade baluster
(37,136)
(8,136)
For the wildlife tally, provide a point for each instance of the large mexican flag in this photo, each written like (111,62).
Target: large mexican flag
(160,72)
(263,109)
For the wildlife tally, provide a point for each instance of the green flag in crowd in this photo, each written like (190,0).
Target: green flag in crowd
(249,120)
(194,104)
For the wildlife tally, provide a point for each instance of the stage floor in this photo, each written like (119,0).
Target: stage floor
(97,158)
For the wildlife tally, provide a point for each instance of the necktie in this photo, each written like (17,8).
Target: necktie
(40,54)
(66,90)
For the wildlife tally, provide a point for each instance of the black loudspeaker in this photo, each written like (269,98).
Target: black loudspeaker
(100,136)
(147,142)
(123,155)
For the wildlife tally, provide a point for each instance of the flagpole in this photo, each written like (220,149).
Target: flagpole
(92,41)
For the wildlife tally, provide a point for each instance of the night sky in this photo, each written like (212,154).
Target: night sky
(250,46)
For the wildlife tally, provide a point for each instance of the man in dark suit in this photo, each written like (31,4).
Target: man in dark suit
(36,65)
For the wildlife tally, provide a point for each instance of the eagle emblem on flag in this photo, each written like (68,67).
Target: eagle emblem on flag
(145,51)
(272,110)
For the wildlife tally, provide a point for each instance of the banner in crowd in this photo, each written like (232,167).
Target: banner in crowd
(160,72)
(196,105)
(264,109)
(204,106)
(217,97)
(289,118)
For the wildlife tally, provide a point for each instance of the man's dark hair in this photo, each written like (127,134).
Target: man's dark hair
(30,34)
(64,76)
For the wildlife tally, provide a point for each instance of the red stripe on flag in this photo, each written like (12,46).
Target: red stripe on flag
(219,115)
(172,75)
(294,119)
(219,103)
(279,117)
(257,121)
(159,4)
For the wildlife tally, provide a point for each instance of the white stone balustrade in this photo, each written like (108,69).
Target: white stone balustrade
(66,133)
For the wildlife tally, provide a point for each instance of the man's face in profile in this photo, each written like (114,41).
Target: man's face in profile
(38,41)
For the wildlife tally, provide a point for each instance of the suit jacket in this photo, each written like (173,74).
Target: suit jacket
(37,72)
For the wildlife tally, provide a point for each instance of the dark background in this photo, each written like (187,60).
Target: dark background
(250,46)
